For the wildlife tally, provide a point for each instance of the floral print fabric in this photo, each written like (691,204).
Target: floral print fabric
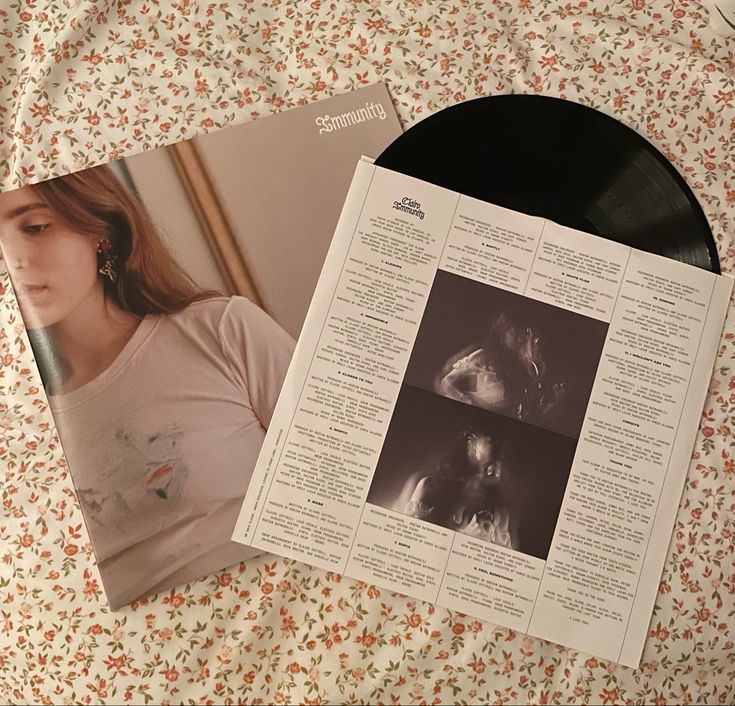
(85,82)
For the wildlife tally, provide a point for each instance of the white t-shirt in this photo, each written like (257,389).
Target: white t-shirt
(161,445)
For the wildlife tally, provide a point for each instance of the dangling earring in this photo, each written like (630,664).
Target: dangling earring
(104,250)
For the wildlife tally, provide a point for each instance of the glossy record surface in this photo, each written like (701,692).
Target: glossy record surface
(581,168)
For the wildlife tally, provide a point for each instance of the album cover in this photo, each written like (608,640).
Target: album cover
(162,295)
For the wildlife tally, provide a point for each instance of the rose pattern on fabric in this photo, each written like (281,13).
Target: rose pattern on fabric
(83,83)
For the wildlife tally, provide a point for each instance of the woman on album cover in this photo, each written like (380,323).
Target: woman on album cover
(161,392)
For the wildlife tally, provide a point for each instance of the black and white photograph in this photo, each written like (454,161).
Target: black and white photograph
(505,353)
(473,471)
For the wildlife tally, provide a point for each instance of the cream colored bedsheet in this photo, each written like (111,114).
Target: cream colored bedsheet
(84,82)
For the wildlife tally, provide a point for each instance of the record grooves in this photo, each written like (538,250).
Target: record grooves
(563,161)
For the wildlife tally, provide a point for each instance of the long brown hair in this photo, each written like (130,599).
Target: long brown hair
(96,203)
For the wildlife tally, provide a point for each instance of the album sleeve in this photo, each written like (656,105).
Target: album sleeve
(258,352)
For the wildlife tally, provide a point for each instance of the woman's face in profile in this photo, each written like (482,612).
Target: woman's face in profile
(53,268)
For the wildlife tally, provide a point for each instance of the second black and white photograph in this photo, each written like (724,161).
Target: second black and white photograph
(473,471)
(506,353)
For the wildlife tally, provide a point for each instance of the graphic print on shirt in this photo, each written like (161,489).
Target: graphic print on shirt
(146,481)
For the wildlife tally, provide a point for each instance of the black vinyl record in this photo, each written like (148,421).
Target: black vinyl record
(563,161)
